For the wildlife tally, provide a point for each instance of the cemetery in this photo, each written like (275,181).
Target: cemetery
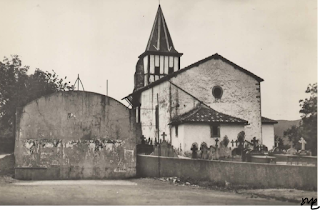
(220,163)
(244,151)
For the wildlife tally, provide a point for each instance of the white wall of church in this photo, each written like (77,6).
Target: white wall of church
(268,135)
(241,92)
(201,133)
(180,103)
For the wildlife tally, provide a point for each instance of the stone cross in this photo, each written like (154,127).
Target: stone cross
(277,142)
(164,136)
(236,142)
(303,143)
(217,142)
(232,142)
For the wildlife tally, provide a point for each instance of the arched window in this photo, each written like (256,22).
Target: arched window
(217,92)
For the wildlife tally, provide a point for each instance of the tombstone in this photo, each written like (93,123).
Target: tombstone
(149,141)
(217,140)
(164,148)
(164,136)
(156,150)
(232,142)
(171,151)
(292,151)
(204,151)
(211,153)
(303,143)
(194,149)
(217,156)
(224,151)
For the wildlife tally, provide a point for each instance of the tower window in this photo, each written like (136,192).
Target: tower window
(170,70)
(157,70)
(217,92)
(215,131)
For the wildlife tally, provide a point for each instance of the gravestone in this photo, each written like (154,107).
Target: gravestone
(303,143)
(211,153)
(194,150)
(292,151)
(204,151)
(164,148)
(224,151)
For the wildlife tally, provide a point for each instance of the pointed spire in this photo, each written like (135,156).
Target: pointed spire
(160,39)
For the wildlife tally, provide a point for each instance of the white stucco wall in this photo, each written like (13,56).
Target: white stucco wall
(268,135)
(241,92)
(180,103)
(201,133)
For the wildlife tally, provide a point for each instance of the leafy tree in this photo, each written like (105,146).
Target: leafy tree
(225,140)
(241,137)
(309,117)
(308,126)
(17,88)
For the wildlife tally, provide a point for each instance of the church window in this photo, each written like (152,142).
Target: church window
(215,130)
(170,70)
(217,92)
(177,129)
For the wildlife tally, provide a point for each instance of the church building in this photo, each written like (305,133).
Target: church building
(202,102)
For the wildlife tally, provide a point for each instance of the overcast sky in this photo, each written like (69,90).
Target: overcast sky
(102,39)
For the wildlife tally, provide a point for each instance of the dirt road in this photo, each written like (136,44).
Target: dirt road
(122,192)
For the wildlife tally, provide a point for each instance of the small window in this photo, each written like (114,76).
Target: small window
(215,131)
(157,70)
(170,70)
(217,92)
(177,130)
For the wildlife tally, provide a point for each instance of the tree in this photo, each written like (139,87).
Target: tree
(309,117)
(281,144)
(17,88)
(308,126)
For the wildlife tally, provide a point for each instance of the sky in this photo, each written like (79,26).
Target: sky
(101,40)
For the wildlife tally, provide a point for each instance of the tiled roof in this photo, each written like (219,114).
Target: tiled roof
(265,120)
(204,114)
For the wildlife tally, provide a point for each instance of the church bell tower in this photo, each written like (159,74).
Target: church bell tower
(160,57)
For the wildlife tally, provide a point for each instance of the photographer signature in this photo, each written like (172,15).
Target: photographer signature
(311,201)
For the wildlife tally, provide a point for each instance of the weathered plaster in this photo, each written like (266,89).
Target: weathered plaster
(241,92)
(91,134)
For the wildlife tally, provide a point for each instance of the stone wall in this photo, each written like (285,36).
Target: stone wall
(236,173)
(75,135)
